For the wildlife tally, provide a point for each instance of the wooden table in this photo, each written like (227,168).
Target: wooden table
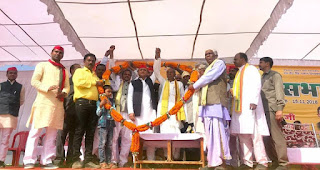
(170,140)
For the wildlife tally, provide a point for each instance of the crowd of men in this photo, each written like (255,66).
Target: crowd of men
(239,113)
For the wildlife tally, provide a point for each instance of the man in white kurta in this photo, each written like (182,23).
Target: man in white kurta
(120,157)
(173,124)
(213,109)
(52,83)
(146,103)
(248,118)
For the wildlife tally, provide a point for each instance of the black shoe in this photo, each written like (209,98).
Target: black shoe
(28,166)
(95,160)
(2,165)
(50,166)
(68,164)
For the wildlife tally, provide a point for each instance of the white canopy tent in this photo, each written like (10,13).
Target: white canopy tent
(282,29)
(28,33)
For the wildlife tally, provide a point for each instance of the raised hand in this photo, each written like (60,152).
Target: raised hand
(110,51)
(157,55)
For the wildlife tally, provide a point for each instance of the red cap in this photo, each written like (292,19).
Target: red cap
(150,68)
(12,69)
(143,66)
(58,47)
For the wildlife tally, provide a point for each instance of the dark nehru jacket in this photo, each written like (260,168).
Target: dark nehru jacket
(137,93)
(10,98)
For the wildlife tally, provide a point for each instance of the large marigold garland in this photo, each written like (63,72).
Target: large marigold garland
(135,144)
(137,64)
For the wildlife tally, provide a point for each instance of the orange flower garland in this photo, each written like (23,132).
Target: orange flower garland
(137,64)
(116,117)
(135,145)
(129,125)
(100,89)
(194,76)
(115,69)
(106,74)
(142,128)
(159,120)
(175,65)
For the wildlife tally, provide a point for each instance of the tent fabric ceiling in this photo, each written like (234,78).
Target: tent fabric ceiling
(168,24)
(296,35)
(29,29)
(28,33)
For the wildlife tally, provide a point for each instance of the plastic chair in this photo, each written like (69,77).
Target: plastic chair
(16,151)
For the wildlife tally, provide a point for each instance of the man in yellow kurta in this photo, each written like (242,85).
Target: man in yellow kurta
(52,83)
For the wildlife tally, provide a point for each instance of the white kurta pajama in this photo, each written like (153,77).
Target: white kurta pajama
(215,119)
(251,125)
(47,112)
(147,114)
(125,134)
(172,125)
(120,130)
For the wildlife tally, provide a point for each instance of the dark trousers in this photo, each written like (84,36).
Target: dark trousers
(275,144)
(69,126)
(105,144)
(87,123)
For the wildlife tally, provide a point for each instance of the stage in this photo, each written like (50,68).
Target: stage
(292,167)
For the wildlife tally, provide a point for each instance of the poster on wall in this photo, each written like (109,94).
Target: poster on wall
(301,88)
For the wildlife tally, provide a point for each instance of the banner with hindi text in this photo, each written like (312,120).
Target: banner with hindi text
(301,88)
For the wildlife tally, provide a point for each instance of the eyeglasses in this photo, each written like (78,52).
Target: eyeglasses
(209,53)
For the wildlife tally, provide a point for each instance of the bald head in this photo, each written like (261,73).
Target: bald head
(240,59)
(171,74)
(211,55)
